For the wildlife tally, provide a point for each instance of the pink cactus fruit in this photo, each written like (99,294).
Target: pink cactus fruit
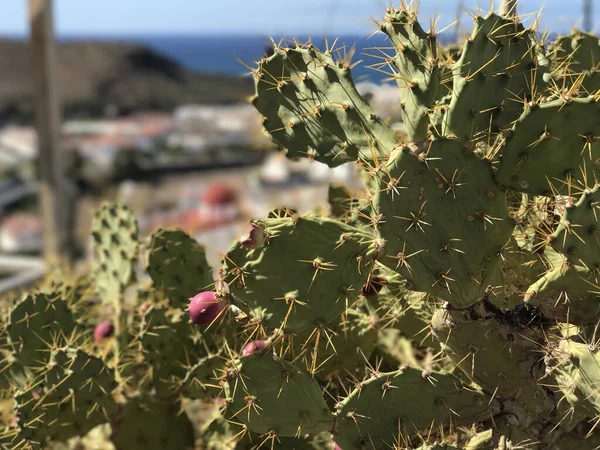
(103,331)
(337,447)
(254,347)
(205,308)
(255,237)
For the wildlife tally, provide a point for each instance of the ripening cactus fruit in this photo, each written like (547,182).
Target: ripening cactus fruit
(205,308)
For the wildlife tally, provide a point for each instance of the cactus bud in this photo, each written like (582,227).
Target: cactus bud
(103,331)
(205,308)
(254,347)
(255,237)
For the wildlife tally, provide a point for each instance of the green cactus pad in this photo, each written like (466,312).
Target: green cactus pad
(443,219)
(417,62)
(501,66)
(70,397)
(337,348)
(308,272)
(559,136)
(37,323)
(578,234)
(269,394)
(490,346)
(312,109)
(177,264)
(574,367)
(568,293)
(115,242)
(389,406)
(147,423)
(575,55)
(407,311)
(171,346)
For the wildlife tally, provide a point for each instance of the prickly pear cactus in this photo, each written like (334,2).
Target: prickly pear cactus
(70,397)
(452,304)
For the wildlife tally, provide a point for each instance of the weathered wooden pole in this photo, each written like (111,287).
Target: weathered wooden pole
(48,122)
(588,16)
(460,6)
(509,8)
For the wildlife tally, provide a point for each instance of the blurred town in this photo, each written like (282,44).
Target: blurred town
(205,167)
(181,148)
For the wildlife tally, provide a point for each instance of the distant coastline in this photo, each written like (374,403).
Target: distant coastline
(219,54)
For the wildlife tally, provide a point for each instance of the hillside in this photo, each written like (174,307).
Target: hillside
(93,75)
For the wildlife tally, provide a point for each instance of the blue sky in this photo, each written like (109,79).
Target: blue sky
(316,17)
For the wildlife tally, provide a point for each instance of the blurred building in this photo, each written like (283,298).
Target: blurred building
(18,146)
(205,126)
(99,141)
(21,233)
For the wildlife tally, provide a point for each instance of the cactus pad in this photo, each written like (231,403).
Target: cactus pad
(562,137)
(575,55)
(308,272)
(443,220)
(501,66)
(177,263)
(495,350)
(115,242)
(385,409)
(271,395)
(37,323)
(71,396)
(578,234)
(312,109)
(417,62)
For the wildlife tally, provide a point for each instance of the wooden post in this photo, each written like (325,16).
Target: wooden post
(588,16)
(48,122)
(460,6)
(509,8)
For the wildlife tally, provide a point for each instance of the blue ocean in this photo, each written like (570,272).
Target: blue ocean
(228,54)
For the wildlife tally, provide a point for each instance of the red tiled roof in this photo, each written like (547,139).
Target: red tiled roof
(219,194)
(22,224)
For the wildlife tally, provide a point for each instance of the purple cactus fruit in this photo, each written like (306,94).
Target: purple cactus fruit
(373,286)
(205,308)
(103,330)
(253,347)
(255,237)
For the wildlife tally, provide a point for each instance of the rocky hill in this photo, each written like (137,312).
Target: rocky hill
(96,75)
